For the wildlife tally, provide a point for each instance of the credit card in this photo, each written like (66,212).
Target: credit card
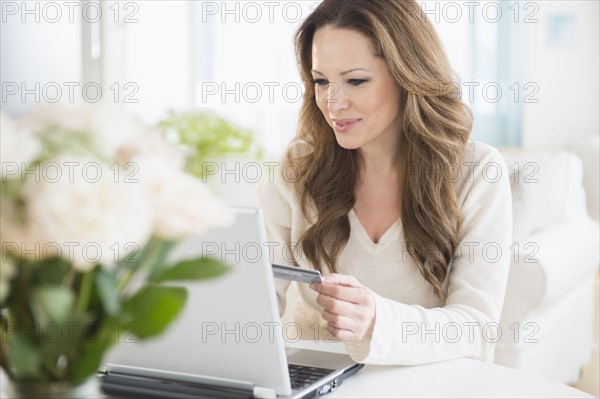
(297,274)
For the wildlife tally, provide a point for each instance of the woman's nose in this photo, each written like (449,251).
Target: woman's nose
(336,99)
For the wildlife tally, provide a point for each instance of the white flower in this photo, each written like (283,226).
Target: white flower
(110,126)
(89,216)
(117,134)
(114,128)
(18,239)
(183,205)
(151,144)
(7,272)
(68,117)
(18,147)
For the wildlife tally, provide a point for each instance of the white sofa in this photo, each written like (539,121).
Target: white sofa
(548,315)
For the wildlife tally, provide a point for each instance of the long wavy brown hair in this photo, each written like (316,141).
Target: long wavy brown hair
(435,128)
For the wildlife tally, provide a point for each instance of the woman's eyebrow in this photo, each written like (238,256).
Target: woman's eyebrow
(343,73)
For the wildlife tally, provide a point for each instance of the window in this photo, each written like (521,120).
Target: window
(246,67)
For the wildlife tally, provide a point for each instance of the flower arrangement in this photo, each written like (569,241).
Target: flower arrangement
(92,202)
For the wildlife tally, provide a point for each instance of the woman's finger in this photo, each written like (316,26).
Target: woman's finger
(345,293)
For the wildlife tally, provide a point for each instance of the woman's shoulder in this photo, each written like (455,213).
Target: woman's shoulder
(478,152)
(297,149)
(482,171)
(284,172)
(290,161)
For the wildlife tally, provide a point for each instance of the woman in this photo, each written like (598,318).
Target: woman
(385,194)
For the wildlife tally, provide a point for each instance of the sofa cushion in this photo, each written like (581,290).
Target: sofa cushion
(525,198)
(552,262)
(554,342)
(549,184)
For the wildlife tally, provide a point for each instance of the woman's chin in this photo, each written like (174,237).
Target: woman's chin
(346,144)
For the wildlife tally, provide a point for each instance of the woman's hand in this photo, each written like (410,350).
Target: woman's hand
(349,307)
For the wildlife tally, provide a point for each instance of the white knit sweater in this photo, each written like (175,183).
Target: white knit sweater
(412,325)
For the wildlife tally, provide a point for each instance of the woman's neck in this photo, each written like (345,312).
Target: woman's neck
(381,161)
(382,155)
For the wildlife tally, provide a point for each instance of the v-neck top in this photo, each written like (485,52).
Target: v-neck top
(386,238)
(404,301)
(363,259)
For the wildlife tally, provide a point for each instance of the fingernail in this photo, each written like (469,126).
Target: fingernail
(312,286)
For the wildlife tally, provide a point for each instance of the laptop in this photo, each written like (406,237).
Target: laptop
(228,341)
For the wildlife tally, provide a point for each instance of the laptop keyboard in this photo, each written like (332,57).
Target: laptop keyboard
(303,376)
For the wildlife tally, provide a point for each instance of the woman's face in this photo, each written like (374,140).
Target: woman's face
(355,90)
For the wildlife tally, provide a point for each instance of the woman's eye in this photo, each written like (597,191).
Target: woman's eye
(357,82)
(320,82)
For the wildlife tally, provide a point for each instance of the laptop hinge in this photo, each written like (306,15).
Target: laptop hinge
(264,393)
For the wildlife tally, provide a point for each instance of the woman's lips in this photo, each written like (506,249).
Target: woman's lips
(344,125)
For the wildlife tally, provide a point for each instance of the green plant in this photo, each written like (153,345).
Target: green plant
(208,137)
